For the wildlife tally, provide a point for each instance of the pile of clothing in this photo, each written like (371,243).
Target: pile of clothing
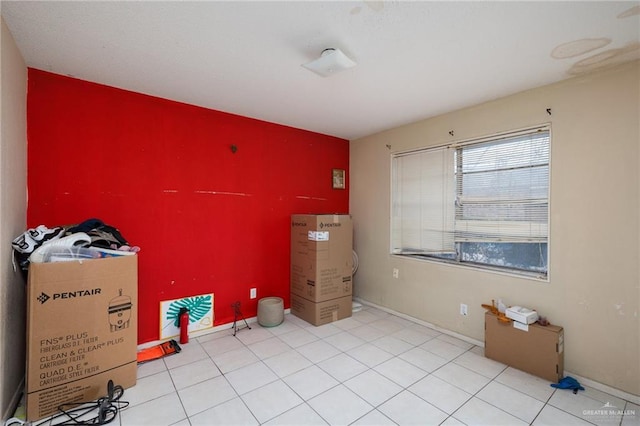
(89,239)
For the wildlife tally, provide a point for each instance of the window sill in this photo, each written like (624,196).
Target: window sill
(533,276)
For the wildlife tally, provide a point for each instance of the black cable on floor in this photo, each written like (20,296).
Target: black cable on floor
(107,408)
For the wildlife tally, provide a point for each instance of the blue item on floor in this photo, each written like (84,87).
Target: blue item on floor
(568,383)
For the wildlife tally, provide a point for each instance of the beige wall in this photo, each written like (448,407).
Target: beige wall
(13,213)
(593,289)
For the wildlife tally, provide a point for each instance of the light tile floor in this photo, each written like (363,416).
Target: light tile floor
(371,369)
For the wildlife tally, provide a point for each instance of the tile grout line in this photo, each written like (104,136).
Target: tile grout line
(386,333)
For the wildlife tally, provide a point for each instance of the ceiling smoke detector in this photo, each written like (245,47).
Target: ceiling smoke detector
(331,61)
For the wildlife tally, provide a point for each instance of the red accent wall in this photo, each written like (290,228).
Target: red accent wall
(164,174)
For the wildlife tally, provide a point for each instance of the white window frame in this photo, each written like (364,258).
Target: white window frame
(413,165)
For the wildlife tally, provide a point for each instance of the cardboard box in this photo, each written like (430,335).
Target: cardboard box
(321,312)
(321,256)
(535,349)
(82,331)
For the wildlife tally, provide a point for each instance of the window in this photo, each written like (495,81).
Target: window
(482,203)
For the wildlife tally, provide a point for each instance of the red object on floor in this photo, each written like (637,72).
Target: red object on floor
(158,351)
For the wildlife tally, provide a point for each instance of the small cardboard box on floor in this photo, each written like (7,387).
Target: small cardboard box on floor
(82,321)
(321,267)
(322,312)
(533,348)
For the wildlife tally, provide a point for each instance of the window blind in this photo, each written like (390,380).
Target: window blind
(502,189)
(483,202)
(423,202)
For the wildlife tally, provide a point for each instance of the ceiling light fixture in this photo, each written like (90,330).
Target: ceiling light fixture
(331,61)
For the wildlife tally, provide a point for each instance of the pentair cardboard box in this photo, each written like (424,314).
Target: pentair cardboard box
(533,348)
(321,256)
(82,331)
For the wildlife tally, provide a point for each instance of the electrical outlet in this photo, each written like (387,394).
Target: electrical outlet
(463,309)
(253,293)
(396,273)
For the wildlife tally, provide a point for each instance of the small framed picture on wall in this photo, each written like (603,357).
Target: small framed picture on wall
(338,179)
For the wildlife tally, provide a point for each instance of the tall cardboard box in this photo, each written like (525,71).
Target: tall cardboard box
(321,256)
(82,323)
(535,349)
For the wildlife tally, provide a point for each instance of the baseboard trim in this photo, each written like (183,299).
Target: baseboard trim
(421,322)
(196,334)
(583,380)
(604,388)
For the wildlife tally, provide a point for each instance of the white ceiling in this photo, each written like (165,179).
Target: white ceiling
(415,59)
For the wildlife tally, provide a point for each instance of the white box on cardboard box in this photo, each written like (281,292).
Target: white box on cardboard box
(82,331)
(523,315)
